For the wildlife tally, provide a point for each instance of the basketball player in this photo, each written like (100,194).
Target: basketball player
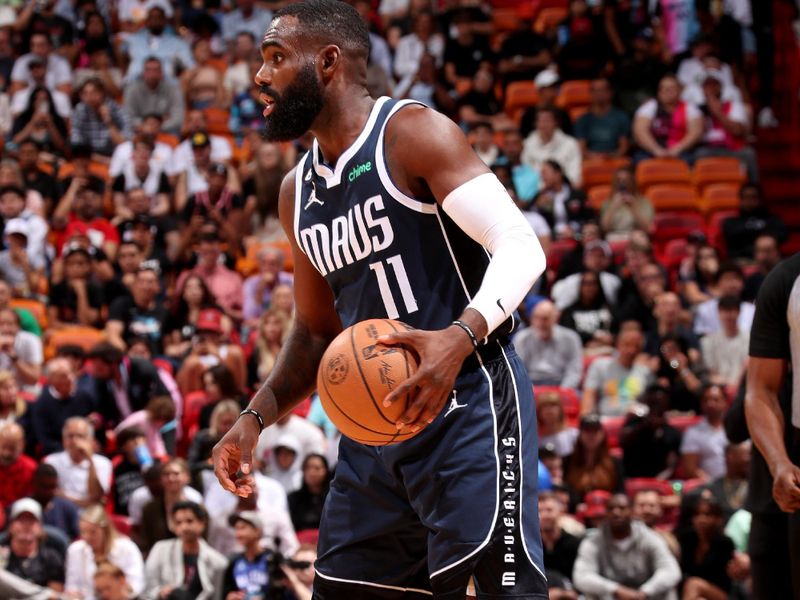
(774,347)
(391,214)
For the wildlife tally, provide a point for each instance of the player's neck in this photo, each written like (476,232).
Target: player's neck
(341,122)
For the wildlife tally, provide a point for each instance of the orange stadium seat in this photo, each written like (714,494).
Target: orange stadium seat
(519,95)
(574,94)
(654,171)
(601,171)
(217,121)
(720,196)
(718,170)
(576,112)
(167,138)
(549,18)
(85,337)
(36,308)
(504,19)
(597,195)
(672,197)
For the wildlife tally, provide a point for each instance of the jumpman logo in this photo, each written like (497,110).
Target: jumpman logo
(453,405)
(312,199)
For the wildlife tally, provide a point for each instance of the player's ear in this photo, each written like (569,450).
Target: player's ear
(328,59)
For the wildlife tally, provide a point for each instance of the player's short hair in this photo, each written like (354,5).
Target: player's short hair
(330,21)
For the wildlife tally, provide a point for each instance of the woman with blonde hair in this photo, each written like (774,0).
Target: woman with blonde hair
(272,330)
(100,542)
(12,405)
(110,583)
(553,428)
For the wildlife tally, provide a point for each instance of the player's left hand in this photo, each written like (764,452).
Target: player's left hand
(441,354)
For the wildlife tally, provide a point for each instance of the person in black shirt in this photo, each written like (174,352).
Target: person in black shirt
(465,53)
(305,505)
(705,554)
(128,475)
(560,547)
(139,315)
(754,218)
(650,445)
(27,557)
(480,103)
(35,178)
(523,53)
(78,299)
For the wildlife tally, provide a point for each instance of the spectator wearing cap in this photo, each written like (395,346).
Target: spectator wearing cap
(121,385)
(623,558)
(547,87)
(28,557)
(78,299)
(552,354)
(596,258)
(188,565)
(591,466)
(59,401)
(140,314)
(98,121)
(58,513)
(25,272)
(16,469)
(12,206)
(134,458)
(58,72)
(627,209)
(209,350)
(613,383)
(666,126)
(754,218)
(650,445)
(548,141)
(84,475)
(593,508)
(247,572)
(184,156)
(730,282)
(225,285)
(145,173)
(726,126)
(725,352)
(703,445)
(152,93)
(20,352)
(560,547)
(155,40)
(180,325)
(101,542)
(196,176)
(246,18)
(129,258)
(144,230)
(604,131)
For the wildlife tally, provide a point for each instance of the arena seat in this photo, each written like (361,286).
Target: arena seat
(504,20)
(714,230)
(76,335)
(690,485)
(559,249)
(654,171)
(549,18)
(637,484)
(193,404)
(674,252)
(597,196)
(575,93)
(601,171)
(36,308)
(683,422)
(669,225)
(720,196)
(520,95)
(217,120)
(613,428)
(718,169)
(122,524)
(668,196)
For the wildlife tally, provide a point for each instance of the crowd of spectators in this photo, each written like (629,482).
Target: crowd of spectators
(146,286)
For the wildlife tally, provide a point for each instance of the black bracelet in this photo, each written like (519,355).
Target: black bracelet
(469,332)
(256,414)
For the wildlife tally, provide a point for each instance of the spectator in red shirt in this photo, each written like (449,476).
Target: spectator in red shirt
(16,469)
(82,208)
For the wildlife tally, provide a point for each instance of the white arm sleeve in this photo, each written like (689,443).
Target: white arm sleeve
(482,208)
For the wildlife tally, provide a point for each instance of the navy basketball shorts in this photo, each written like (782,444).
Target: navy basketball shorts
(459,500)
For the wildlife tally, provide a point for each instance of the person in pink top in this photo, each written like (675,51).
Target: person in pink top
(160,411)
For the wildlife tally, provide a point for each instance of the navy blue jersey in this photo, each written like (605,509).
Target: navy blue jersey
(383,253)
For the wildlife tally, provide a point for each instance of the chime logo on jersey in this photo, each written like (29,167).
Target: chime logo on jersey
(348,239)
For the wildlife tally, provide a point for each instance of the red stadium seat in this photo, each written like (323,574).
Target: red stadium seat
(674,252)
(613,428)
(714,231)
(683,422)
(637,484)
(675,224)
(520,95)
(122,524)
(193,405)
(559,249)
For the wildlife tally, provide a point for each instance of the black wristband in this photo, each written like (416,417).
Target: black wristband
(256,414)
(468,331)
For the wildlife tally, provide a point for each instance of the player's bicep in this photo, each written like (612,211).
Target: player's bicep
(765,375)
(313,297)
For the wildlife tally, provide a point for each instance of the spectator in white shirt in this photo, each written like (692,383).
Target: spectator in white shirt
(149,127)
(309,437)
(151,489)
(59,73)
(730,282)
(85,477)
(703,445)
(725,352)
(410,49)
(547,141)
(20,351)
(100,542)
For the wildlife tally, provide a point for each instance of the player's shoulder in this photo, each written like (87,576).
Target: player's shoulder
(422,124)
(287,193)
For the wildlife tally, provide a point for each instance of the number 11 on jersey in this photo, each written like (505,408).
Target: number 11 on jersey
(399,269)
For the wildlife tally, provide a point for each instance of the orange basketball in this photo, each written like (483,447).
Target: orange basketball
(356,374)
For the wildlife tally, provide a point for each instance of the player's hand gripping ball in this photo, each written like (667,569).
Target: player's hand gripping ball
(356,374)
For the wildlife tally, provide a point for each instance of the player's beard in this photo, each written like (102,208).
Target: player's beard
(296,108)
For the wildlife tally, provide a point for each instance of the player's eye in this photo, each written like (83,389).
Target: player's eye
(277,58)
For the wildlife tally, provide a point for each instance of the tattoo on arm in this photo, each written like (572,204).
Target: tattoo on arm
(294,376)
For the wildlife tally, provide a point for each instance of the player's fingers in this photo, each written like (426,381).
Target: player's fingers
(407,387)
(399,338)
(433,409)
(411,418)
(221,457)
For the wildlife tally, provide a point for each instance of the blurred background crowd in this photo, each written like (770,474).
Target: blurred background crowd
(146,285)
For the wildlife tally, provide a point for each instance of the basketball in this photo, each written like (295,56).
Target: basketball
(356,374)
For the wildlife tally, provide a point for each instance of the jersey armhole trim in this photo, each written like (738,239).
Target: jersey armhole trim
(298,199)
(383,172)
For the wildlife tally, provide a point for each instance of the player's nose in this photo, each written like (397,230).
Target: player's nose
(263,77)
